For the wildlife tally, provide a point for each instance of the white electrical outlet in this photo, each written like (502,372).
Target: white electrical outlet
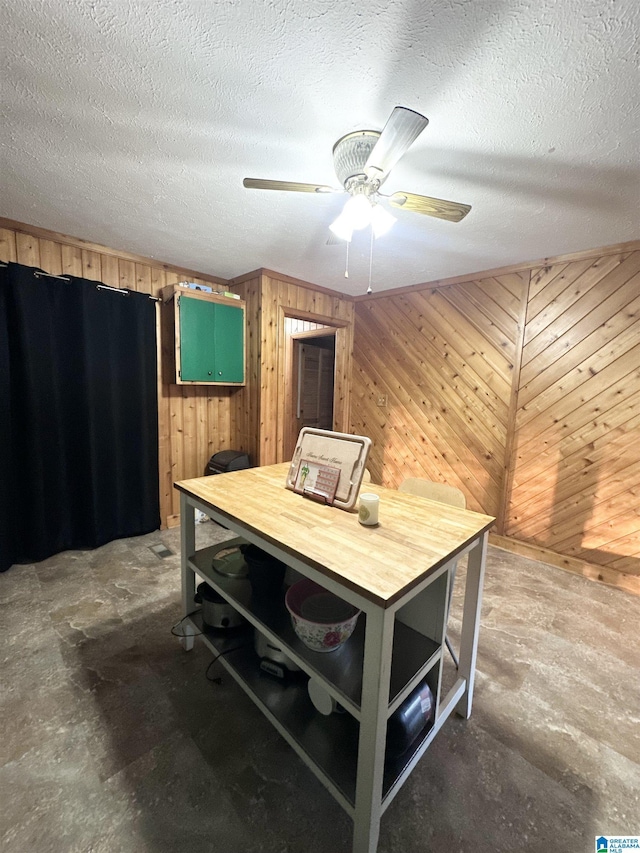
(382,400)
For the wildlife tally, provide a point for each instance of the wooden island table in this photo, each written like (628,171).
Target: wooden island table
(398,574)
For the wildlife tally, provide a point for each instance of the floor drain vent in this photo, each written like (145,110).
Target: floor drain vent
(161,551)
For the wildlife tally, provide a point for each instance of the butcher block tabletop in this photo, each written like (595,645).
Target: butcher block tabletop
(414,537)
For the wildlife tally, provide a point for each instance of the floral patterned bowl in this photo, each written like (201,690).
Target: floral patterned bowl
(320,619)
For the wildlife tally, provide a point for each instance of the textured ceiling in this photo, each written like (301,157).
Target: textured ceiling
(132,124)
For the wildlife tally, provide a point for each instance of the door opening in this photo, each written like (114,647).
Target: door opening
(312,383)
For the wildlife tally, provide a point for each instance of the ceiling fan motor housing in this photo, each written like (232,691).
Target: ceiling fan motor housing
(350,153)
(363,160)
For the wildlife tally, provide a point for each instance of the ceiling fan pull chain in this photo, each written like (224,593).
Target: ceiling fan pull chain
(370,260)
(346,269)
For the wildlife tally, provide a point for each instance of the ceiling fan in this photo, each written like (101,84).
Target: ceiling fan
(363,160)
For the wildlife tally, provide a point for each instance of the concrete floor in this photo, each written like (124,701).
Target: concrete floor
(113,741)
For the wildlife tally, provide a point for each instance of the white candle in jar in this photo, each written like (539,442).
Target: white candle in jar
(368,513)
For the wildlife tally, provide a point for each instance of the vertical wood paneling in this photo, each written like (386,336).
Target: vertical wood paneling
(110,274)
(269,351)
(143,279)
(258,408)
(126,274)
(28,250)
(51,257)
(283,300)
(71,260)
(158,281)
(245,401)
(8,252)
(193,422)
(91,265)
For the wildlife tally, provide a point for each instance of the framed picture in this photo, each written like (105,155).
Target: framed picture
(328,466)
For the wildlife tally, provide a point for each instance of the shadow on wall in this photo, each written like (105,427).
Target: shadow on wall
(411,453)
(583,521)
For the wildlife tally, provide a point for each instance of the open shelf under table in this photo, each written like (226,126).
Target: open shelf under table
(327,744)
(413,654)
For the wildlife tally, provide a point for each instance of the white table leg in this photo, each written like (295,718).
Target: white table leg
(373,729)
(187,550)
(471,623)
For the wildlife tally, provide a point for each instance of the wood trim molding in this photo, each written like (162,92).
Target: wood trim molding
(262,271)
(321,319)
(616,248)
(611,577)
(324,332)
(56,237)
(510,443)
(339,329)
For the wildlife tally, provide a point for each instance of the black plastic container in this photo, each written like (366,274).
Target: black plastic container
(416,714)
(266,573)
(227,460)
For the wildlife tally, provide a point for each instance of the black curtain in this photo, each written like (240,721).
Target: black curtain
(78,415)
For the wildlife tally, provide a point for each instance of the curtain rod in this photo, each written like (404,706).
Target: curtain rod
(38,273)
(123,291)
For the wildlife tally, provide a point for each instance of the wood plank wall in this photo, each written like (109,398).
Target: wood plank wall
(576,465)
(245,409)
(271,298)
(442,359)
(192,422)
(520,386)
(293,326)
(523,389)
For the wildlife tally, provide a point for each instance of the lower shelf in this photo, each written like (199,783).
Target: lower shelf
(327,744)
(414,655)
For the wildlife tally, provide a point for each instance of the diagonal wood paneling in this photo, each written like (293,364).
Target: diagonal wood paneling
(576,468)
(538,370)
(443,360)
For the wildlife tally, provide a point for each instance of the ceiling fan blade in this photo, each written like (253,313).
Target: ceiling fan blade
(439,207)
(402,129)
(287,186)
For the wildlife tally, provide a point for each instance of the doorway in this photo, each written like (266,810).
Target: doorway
(312,383)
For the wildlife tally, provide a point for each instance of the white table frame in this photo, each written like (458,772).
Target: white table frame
(369,804)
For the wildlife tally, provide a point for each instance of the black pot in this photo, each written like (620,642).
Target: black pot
(266,573)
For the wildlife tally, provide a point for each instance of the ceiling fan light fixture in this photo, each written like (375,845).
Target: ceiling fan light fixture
(381,221)
(362,161)
(342,228)
(358,212)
